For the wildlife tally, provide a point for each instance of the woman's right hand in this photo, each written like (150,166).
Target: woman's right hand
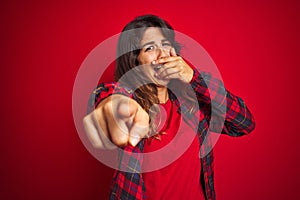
(117,121)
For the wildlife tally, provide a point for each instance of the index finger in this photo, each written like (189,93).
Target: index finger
(165,60)
(173,52)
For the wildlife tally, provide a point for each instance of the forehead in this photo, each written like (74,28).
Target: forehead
(152,34)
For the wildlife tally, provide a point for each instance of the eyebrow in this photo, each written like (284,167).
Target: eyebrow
(152,42)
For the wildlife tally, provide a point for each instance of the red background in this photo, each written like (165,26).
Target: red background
(255,44)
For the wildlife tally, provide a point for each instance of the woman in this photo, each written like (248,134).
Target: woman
(129,117)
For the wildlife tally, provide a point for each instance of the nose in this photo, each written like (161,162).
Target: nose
(162,52)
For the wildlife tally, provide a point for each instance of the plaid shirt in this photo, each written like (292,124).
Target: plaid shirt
(128,182)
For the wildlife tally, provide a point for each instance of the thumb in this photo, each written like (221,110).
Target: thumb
(137,133)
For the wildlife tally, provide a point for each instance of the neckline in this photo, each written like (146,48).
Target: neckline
(167,102)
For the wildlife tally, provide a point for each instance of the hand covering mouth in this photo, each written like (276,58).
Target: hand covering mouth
(157,67)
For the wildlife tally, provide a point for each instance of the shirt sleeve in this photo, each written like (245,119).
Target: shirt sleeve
(104,90)
(130,161)
(227,113)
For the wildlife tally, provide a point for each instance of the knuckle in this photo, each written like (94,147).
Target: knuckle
(97,113)
(121,140)
(107,106)
(146,131)
(123,110)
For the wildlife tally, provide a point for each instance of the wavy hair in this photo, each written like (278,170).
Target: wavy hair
(128,50)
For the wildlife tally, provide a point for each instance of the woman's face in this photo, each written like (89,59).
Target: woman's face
(153,46)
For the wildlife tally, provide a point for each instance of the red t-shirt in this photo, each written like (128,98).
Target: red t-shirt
(181,178)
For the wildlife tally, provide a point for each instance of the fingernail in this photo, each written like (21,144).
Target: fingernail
(134,141)
(153,62)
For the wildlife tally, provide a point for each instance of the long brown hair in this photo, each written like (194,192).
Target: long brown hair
(128,50)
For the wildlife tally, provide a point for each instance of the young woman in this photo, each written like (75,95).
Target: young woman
(129,117)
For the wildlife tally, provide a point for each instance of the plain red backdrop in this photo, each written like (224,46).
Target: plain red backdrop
(255,44)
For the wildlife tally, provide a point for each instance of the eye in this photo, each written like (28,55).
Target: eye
(166,44)
(149,48)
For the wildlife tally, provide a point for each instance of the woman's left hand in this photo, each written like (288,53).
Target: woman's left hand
(174,67)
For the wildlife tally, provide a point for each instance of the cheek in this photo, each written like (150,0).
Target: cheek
(146,58)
